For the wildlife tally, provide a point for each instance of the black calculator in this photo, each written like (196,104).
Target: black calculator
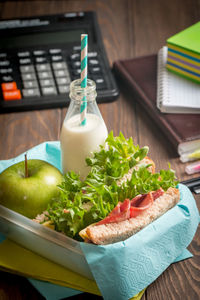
(40,56)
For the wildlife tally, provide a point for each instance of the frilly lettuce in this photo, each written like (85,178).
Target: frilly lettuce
(84,202)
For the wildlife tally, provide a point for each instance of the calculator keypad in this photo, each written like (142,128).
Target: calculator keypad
(42,73)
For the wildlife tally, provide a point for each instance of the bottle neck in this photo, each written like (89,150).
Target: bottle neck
(77,92)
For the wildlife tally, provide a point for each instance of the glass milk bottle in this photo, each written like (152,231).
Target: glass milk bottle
(78,141)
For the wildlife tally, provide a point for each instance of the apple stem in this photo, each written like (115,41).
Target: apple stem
(26,166)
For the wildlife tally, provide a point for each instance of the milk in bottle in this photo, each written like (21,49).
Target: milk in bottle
(78,141)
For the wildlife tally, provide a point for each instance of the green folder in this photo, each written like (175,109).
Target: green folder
(188,39)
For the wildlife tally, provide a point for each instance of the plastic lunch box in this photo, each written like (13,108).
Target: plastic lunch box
(44,241)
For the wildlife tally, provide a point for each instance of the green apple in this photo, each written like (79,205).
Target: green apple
(29,195)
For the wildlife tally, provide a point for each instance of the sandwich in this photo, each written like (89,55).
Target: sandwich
(121,195)
(131,216)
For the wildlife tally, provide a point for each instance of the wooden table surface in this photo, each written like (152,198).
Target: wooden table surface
(130,29)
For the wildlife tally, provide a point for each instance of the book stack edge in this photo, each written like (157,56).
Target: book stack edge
(184,53)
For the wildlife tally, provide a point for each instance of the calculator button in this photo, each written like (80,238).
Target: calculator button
(76,64)
(63,80)
(23,54)
(75,56)
(100,83)
(77,48)
(6,78)
(47,82)
(63,89)
(9,86)
(95,70)
(30,84)
(92,54)
(44,75)
(56,58)
(55,51)
(4,63)
(61,73)
(76,72)
(6,71)
(27,69)
(93,62)
(39,52)
(12,95)
(25,61)
(50,90)
(40,60)
(3,55)
(59,65)
(28,76)
(31,93)
(43,67)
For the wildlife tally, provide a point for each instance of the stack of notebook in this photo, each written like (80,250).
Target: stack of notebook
(175,94)
(184,53)
(139,77)
(172,101)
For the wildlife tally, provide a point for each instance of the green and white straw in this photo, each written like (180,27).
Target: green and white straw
(84,47)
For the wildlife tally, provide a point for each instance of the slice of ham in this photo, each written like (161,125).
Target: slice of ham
(120,213)
(158,193)
(145,203)
(131,208)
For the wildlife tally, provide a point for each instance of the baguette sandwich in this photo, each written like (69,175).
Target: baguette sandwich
(121,195)
(122,224)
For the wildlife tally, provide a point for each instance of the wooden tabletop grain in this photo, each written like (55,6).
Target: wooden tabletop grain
(130,28)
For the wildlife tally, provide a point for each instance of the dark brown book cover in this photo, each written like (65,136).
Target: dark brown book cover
(139,76)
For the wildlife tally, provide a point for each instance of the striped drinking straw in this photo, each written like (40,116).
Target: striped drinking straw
(84,46)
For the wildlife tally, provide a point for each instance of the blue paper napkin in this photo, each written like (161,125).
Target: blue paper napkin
(53,291)
(47,151)
(123,269)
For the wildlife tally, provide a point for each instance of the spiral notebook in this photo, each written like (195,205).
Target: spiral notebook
(174,93)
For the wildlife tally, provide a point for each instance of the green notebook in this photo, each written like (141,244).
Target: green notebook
(188,39)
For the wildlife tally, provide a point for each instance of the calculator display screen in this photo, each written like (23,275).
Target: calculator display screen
(41,39)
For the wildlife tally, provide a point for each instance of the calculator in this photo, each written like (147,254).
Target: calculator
(40,56)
